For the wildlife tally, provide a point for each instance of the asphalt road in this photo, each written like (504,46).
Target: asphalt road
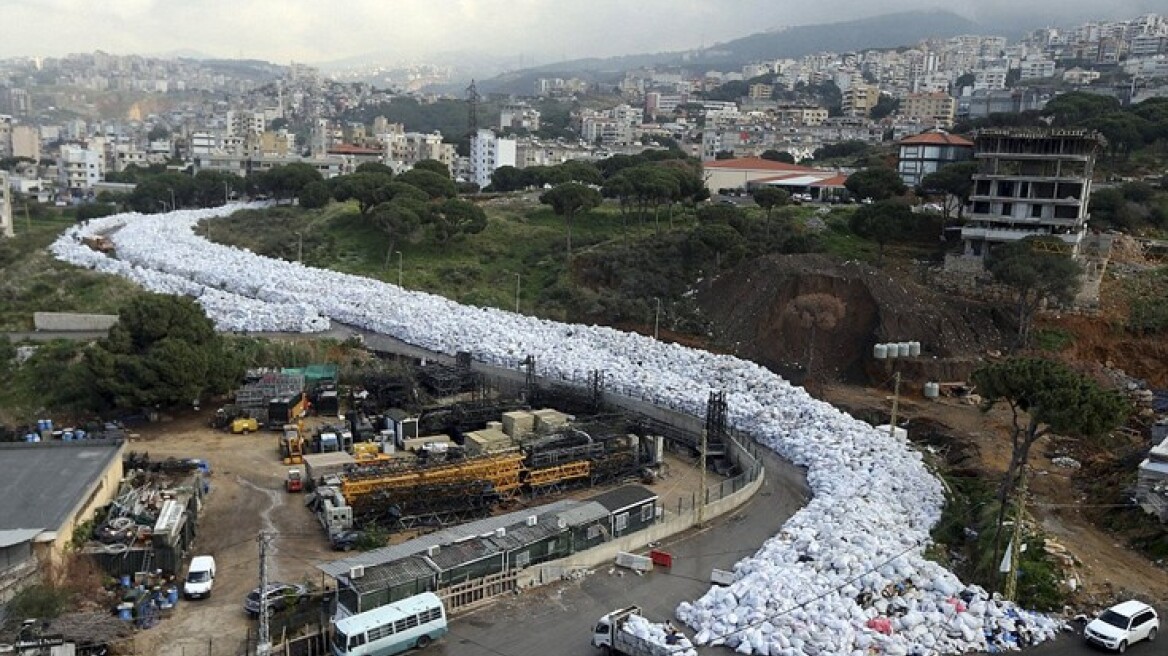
(557,619)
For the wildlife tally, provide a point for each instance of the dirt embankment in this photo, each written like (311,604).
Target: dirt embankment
(786,310)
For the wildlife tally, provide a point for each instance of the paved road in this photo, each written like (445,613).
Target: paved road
(557,619)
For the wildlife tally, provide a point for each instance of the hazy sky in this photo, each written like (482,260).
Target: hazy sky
(327,30)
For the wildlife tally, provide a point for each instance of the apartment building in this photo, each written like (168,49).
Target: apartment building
(488,152)
(78,168)
(1030,181)
(859,99)
(937,108)
(1035,68)
(519,117)
(6,126)
(798,115)
(927,152)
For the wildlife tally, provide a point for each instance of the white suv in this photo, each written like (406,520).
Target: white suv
(1122,625)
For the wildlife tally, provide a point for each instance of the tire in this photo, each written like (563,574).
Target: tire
(423,642)
(1121,647)
(1152,635)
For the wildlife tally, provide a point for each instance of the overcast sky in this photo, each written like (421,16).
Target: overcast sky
(327,30)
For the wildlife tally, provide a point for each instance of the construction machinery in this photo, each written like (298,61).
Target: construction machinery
(294,482)
(244,425)
(286,409)
(292,443)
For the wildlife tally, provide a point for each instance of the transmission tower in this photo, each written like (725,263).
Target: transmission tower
(472,100)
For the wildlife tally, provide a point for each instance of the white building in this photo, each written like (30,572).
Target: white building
(487,153)
(519,117)
(1036,68)
(78,168)
(990,78)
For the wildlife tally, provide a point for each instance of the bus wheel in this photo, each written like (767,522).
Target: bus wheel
(423,642)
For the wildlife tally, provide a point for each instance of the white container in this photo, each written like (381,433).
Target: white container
(932,390)
(914,349)
(902,349)
(880,351)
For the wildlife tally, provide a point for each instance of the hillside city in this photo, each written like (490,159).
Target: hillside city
(856,352)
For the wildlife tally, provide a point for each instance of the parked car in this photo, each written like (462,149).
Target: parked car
(279,596)
(200,577)
(1122,625)
(345,540)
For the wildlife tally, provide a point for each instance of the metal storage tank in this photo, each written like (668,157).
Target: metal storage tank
(932,390)
(880,351)
(902,349)
(914,349)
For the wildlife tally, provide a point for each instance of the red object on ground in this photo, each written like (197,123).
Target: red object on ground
(662,558)
(881,625)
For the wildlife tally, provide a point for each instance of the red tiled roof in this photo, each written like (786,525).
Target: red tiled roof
(755,163)
(834,181)
(937,139)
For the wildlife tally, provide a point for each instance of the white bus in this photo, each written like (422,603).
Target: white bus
(400,626)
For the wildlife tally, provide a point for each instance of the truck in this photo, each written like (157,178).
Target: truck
(609,635)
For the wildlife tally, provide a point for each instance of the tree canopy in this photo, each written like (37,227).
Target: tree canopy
(955,182)
(877,183)
(881,222)
(163,351)
(1035,270)
(769,198)
(567,200)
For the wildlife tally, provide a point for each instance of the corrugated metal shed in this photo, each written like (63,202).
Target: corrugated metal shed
(392,574)
(452,556)
(521,535)
(583,514)
(624,498)
(418,545)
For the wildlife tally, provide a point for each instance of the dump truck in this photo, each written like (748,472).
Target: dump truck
(609,635)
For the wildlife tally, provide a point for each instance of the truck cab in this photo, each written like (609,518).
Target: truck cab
(608,624)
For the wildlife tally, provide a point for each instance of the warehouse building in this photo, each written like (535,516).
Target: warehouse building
(47,489)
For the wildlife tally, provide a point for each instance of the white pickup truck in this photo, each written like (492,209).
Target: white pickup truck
(609,635)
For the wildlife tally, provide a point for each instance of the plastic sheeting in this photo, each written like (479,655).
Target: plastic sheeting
(853,554)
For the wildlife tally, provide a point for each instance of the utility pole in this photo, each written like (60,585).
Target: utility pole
(300,247)
(399,268)
(702,486)
(657,320)
(517,293)
(263,639)
(895,406)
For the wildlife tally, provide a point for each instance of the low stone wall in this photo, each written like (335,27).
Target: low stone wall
(73,322)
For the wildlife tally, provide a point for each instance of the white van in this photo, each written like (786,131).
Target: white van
(200,577)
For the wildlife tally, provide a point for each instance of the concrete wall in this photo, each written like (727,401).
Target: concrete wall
(50,548)
(72,322)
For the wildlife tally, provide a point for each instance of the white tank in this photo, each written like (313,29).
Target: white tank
(932,390)
(880,351)
(902,349)
(914,349)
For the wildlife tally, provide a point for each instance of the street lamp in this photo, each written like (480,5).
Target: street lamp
(399,268)
(517,293)
(657,320)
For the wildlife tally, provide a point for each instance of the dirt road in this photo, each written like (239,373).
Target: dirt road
(246,497)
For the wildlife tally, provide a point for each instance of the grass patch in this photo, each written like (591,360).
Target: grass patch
(1053,339)
(32,280)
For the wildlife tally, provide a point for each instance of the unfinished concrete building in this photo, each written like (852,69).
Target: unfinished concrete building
(1030,182)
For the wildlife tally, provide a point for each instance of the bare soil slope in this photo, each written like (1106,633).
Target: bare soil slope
(754,309)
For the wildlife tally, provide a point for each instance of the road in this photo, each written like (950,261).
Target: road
(557,619)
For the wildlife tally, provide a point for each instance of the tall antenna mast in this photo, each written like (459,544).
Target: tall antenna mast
(472,99)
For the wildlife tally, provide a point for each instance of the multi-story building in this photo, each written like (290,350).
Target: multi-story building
(983,102)
(938,108)
(489,152)
(990,78)
(1030,182)
(859,99)
(26,142)
(78,168)
(18,102)
(1035,68)
(927,152)
(519,117)
(6,228)
(6,126)
(800,115)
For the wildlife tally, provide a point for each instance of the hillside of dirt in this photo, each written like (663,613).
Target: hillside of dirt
(786,310)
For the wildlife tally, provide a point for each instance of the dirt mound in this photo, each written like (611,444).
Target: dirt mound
(774,309)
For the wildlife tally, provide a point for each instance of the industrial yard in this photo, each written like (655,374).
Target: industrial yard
(247,495)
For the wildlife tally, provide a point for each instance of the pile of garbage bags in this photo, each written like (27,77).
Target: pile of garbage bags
(846,575)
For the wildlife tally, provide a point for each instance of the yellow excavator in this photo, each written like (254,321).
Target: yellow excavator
(292,443)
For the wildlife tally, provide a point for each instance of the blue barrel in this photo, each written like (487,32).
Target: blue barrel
(42,425)
(67,436)
(79,434)
(30,437)
(172,595)
(126,611)
(126,581)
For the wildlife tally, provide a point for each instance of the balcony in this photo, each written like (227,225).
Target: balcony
(1030,200)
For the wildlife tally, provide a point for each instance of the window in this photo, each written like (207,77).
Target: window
(593,532)
(523,559)
(356,641)
(399,626)
(411,621)
(1036,211)
(380,632)
(647,512)
(622,521)
(1008,209)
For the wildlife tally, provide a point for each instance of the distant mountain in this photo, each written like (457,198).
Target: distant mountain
(886,31)
(183,53)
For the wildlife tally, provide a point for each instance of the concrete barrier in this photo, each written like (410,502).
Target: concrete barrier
(73,322)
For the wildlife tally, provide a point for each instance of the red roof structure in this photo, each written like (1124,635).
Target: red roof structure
(935,138)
